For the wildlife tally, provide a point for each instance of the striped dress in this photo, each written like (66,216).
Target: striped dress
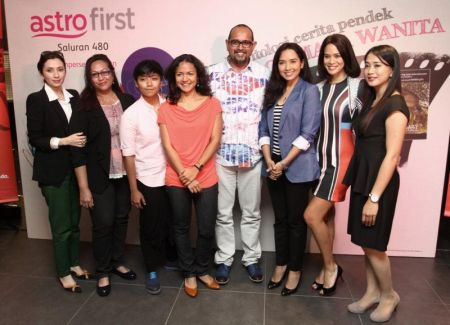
(335,144)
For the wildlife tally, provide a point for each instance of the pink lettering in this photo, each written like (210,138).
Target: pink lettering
(76,22)
(59,25)
(406,28)
(368,34)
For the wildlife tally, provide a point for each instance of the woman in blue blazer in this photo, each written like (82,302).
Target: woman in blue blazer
(288,127)
(49,113)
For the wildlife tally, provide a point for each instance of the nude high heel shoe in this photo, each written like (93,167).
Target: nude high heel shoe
(383,315)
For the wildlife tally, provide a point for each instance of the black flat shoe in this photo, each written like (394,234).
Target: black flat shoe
(104,291)
(330,291)
(130,275)
(317,286)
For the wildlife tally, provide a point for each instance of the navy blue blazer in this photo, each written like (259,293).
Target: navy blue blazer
(300,116)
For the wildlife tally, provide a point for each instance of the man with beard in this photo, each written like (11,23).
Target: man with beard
(239,83)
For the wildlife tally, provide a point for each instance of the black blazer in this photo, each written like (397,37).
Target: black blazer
(46,119)
(96,155)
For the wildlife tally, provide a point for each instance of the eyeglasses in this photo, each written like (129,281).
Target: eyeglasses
(58,54)
(245,44)
(103,74)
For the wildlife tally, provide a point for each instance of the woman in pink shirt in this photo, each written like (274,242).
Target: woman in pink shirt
(191,125)
(145,164)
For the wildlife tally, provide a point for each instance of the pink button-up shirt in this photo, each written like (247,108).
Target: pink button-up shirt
(139,137)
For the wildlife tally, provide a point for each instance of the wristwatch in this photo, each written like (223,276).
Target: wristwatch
(374,198)
(198,166)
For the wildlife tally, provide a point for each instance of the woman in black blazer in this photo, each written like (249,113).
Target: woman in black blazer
(100,170)
(49,113)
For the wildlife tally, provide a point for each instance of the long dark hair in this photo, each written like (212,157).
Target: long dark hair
(88,95)
(388,55)
(202,87)
(343,45)
(277,83)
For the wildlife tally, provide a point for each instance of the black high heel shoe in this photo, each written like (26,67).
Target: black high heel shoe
(330,291)
(272,284)
(317,286)
(287,292)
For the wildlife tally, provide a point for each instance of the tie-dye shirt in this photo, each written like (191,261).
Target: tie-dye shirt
(241,95)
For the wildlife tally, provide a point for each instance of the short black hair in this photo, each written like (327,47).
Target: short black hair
(147,67)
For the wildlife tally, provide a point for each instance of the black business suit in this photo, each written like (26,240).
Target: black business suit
(111,196)
(53,170)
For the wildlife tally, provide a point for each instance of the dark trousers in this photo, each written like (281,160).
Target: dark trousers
(289,201)
(64,216)
(109,225)
(156,229)
(194,263)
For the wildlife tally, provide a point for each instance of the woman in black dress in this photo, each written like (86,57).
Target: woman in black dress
(373,176)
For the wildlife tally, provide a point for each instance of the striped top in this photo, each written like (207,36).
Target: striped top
(276,128)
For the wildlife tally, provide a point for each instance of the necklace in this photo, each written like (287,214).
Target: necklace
(285,96)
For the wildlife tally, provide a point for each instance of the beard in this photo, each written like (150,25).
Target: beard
(239,60)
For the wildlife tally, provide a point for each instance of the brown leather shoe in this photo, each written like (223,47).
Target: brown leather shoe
(191,292)
(211,284)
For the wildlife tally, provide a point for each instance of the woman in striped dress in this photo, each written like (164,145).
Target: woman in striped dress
(338,68)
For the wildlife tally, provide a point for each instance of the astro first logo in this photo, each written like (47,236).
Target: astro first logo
(76,25)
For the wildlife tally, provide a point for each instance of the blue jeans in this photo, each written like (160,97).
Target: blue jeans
(194,262)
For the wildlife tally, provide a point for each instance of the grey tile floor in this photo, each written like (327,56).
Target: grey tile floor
(30,293)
